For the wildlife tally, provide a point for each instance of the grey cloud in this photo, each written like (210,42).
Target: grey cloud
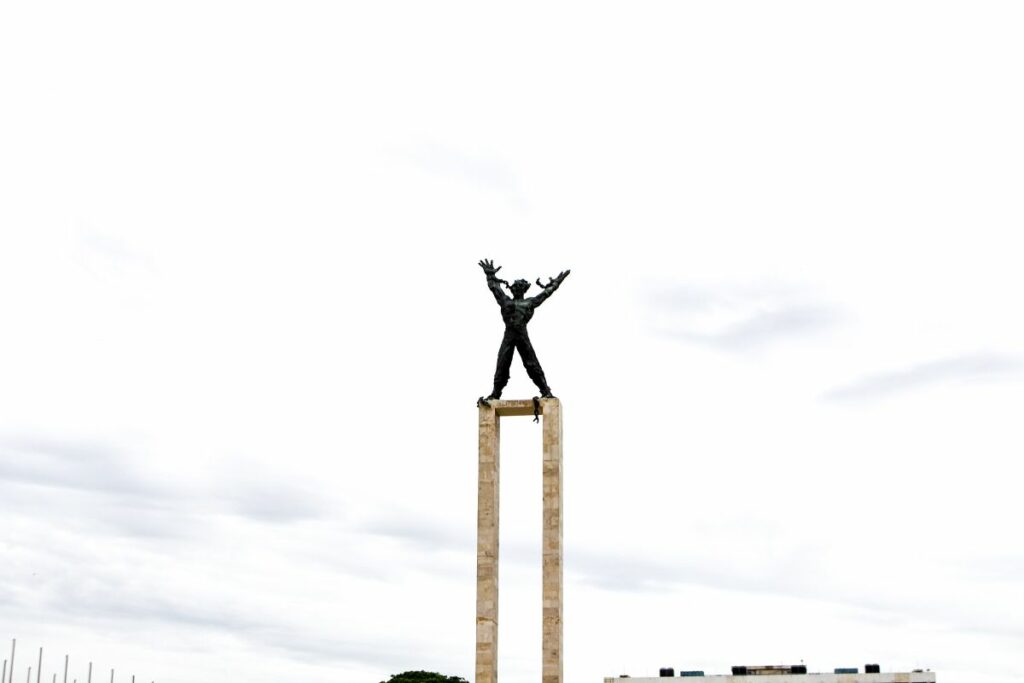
(108,600)
(961,618)
(93,485)
(147,521)
(763,328)
(958,369)
(419,530)
(276,502)
(111,601)
(97,467)
(786,577)
(639,574)
(739,319)
(89,512)
(391,655)
(79,465)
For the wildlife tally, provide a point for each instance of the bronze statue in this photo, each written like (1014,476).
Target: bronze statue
(516,311)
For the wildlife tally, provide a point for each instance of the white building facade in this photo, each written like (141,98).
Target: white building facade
(888,677)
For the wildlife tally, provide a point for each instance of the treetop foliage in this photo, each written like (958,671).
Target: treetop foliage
(424,677)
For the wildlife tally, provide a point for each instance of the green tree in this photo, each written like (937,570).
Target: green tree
(424,677)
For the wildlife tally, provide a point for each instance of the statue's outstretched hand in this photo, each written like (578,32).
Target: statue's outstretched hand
(553,282)
(488,267)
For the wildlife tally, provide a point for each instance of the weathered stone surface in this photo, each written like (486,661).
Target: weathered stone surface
(487,548)
(551,637)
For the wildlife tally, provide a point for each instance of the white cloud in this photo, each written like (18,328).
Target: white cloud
(958,369)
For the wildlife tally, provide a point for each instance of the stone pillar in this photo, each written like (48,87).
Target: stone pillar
(487,548)
(487,539)
(551,642)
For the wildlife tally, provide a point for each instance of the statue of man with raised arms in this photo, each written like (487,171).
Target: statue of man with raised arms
(516,311)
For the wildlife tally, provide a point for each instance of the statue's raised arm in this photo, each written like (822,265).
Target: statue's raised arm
(549,289)
(493,283)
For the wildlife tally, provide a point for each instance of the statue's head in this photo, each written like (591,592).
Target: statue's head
(519,288)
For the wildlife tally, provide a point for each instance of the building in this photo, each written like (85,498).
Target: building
(789,674)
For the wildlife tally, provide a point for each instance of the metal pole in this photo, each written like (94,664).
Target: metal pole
(90,673)
(65,668)
(28,679)
(39,669)
(111,676)
(10,678)
(3,678)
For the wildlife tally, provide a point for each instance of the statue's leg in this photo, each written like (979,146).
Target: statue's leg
(532,365)
(505,351)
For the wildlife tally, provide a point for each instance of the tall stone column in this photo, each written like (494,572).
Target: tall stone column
(551,642)
(487,538)
(487,548)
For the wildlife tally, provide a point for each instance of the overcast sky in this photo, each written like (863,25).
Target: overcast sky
(243,330)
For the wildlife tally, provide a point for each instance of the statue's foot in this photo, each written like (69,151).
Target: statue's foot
(483,402)
(547,394)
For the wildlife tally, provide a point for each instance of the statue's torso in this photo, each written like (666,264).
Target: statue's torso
(517,312)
